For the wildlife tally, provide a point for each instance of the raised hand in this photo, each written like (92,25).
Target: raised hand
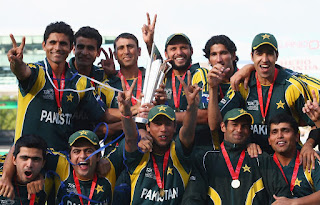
(148,30)
(108,63)
(15,54)
(312,109)
(216,75)
(191,91)
(124,98)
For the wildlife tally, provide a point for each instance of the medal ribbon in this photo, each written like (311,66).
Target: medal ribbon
(221,93)
(176,98)
(295,169)
(59,94)
(259,90)
(32,197)
(93,185)
(139,86)
(156,169)
(234,174)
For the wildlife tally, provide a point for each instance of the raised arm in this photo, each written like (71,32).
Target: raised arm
(215,77)
(187,130)
(15,57)
(128,124)
(242,75)
(6,187)
(148,32)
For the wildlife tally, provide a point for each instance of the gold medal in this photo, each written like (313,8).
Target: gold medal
(177,109)
(263,120)
(59,110)
(161,193)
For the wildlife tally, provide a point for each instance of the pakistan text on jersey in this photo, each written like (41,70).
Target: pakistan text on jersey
(259,129)
(55,118)
(153,195)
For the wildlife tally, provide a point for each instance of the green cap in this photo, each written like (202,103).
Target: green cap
(175,35)
(264,38)
(235,114)
(161,110)
(87,134)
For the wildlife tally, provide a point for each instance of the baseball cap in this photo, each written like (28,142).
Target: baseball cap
(175,35)
(235,114)
(87,134)
(161,110)
(264,38)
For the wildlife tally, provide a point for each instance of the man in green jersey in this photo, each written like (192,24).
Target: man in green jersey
(77,181)
(29,158)
(231,176)
(160,177)
(271,91)
(283,137)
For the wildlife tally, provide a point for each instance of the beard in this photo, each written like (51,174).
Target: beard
(183,67)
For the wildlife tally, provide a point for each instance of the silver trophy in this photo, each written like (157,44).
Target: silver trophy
(155,73)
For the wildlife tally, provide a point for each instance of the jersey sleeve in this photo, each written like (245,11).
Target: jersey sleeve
(296,95)
(134,159)
(233,99)
(107,94)
(200,78)
(26,85)
(116,159)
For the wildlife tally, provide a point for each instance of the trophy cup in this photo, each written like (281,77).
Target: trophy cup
(155,73)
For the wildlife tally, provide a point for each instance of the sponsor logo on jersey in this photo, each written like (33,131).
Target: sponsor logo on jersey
(73,203)
(259,129)
(48,94)
(149,173)
(55,118)
(205,98)
(71,188)
(253,105)
(152,195)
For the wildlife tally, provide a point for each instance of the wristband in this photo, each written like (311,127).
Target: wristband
(126,116)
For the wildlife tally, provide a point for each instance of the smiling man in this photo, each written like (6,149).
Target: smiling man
(78,182)
(305,185)
(271,91)
(231,176)
(29,158)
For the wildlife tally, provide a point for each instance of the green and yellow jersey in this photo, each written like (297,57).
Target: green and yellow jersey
(210,181)
(144,188)
(38,110)
(288,96)
(65,186)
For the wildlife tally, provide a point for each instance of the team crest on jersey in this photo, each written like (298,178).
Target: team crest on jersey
(48,94)
(6,201)
(253,105)
(169,93)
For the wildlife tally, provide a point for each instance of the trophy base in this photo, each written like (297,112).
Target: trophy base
(141,120)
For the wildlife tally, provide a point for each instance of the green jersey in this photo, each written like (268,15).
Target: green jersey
(306,182)
(37,105)
(210,181)
(80,118)
(144,187)
(198,76)
(109,96)
(288,96)
(66,187)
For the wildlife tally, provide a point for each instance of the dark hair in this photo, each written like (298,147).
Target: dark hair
(284,118)
(127,36)
(88,32)
(59,27)
(30,141)
(224,40)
